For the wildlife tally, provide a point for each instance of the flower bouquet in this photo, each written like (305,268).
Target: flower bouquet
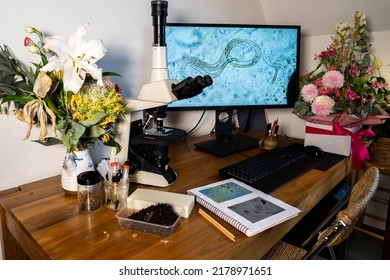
(343,91)
(66,90)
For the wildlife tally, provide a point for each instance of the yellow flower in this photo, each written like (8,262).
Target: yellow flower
(107,120)
(377,63)
(105,137)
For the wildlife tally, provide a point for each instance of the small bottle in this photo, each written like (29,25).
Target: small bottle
(125,173)
(114,168)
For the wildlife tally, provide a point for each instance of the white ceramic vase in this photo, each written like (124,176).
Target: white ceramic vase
(74,165)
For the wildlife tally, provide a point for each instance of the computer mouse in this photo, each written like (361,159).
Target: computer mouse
(314,151)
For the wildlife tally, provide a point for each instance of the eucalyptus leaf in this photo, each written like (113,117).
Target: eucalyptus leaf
(50,141)
(303,111)
(63,125)
(94,132)
(97,118)
(366,61)
(111,74)
(78,130)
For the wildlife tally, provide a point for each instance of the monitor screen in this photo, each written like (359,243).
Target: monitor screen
(251,65)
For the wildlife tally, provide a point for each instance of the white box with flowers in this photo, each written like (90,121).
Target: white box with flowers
(322,136)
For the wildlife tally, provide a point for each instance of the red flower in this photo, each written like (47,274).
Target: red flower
(28,42)
(323,91)
(318,82)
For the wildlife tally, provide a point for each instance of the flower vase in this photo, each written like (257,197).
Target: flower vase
(73,165)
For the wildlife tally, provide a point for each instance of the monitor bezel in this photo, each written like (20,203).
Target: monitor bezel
(291,97)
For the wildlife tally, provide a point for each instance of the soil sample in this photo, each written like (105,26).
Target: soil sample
(161,214)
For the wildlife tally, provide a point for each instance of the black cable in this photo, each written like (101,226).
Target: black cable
(200,119)
(248,121)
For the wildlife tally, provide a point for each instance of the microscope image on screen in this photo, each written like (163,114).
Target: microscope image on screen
(249,65)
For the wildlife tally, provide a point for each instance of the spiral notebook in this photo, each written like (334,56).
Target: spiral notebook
(249,210)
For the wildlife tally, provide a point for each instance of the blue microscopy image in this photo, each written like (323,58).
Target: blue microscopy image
(225,192)
(249,65)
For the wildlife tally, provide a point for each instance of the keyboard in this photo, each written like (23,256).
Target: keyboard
(270,170)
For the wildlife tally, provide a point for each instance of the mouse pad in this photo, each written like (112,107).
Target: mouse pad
(328,160)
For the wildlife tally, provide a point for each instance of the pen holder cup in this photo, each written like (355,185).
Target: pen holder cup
(116,194)
(268,142)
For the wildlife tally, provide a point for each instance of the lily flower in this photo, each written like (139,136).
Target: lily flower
(76,58)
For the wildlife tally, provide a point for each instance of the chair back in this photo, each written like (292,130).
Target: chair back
(361,194)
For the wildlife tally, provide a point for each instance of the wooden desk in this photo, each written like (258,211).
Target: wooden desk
(42,222)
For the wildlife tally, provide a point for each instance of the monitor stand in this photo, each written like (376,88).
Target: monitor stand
(226,142)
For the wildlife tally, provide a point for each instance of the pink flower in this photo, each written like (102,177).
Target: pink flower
(354,71)
(369,70)
(379,85)
(351,95)
(28,42)
(322,106)
(309,92)
(333,79)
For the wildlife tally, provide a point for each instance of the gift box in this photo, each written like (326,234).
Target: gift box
(327,139)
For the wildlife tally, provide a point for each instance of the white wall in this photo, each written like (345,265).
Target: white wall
(126,30)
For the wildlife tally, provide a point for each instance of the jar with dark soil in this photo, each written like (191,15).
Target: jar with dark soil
(89,191)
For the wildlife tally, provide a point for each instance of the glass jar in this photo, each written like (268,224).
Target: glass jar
(116,192)
(89,191)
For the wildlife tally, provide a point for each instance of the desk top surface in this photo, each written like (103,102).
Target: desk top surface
(47,221)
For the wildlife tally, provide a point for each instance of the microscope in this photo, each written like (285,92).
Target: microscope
(148,144)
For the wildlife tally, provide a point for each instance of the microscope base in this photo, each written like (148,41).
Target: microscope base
(150,155)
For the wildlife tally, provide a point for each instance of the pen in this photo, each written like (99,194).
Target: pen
(269,129)
(217,225)
(273,127)
(276,130)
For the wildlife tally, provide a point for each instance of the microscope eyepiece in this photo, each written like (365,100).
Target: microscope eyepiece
(191,87)
(159,14)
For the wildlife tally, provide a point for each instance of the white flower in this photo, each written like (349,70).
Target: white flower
(29,29)
(77,57)
(33,49)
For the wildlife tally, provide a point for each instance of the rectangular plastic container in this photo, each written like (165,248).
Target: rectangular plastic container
(141,226)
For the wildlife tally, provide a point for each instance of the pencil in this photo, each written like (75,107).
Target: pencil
(217,225)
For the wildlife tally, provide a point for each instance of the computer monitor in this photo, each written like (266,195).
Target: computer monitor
(252,66)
